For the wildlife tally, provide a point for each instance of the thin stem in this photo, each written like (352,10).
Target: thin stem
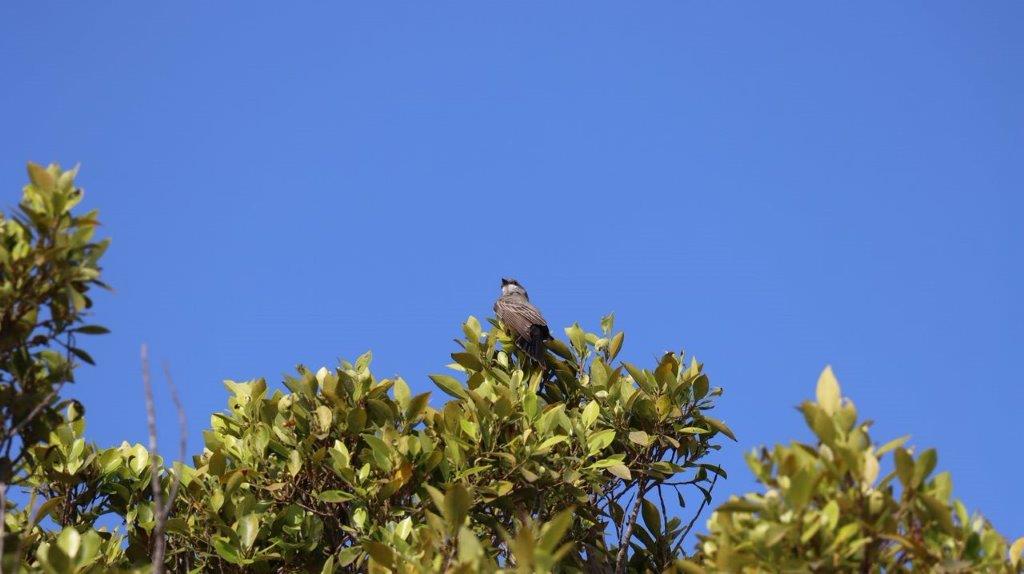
(158,539)
(182,438)
(161,508)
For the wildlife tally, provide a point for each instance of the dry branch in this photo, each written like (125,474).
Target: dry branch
(161,508)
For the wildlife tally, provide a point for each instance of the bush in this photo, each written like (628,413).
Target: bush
(824,508)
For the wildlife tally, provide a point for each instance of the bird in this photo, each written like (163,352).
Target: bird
(522,318)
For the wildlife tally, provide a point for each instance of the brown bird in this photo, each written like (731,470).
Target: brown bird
(522,318)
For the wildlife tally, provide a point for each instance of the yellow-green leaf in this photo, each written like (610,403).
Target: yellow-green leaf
(1016,549)
(828,392)
(620,471)
(640,437)
(450,385)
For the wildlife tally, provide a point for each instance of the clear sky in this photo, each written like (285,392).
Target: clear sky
(773,186)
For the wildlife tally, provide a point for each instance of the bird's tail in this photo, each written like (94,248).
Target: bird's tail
(535,347)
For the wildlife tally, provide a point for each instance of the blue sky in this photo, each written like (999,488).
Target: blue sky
(773,187)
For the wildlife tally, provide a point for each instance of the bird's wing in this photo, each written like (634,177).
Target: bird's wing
(518,315)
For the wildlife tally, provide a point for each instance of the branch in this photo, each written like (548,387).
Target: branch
(161,510)
(182,437)
(620,559)
(158,539)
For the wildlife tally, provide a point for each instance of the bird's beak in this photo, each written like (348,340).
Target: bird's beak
(504,281)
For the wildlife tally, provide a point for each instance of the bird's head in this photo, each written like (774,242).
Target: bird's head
(509,286)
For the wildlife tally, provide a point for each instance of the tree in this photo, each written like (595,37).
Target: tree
(48,264)
(824,508)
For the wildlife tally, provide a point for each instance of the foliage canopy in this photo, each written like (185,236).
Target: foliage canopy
(584,464)
(828,507)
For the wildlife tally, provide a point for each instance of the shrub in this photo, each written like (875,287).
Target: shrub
(828,507)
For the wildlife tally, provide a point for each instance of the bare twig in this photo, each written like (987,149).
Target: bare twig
(158,538)
(182,445)
(161,509)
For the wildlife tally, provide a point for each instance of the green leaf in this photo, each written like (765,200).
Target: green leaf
(870,469)
(559,348)
(216,500)
(555,529)
(364,360)
(416,406)
(217,463)
(68,541)
(599,440)
(615,345)
(404,528)
(247,529)
(621,471)
(335,496)
(324,417)
(457,502)
(687,567)
(924,465)
(469,427)
(90,546)
(831,514)
(436,496)
(801,486)
(1016,550)
(381,451)
(720,427)
(40,177)
(651,516)
(401,392)
(590,413)
(577,337)
(450,385)
(46,508)
(891,445)
(715,469)
(606,462)
(294,462)
(828,391)
(469,547)
(819,421)
(359,517)
(82,355)
(939,512)
(640,437)
(92,330)
(547,444)
(740,505)
(904,467)
(468,360)
(380,553)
